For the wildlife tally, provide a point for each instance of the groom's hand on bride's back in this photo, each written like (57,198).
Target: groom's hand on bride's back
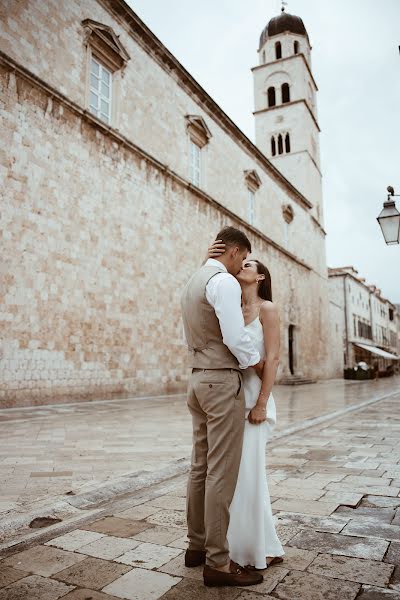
(259,368)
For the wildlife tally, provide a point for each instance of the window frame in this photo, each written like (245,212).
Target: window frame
(105,48)
(251,205)
(110,100)
(195,171)
(199,137)
(271,96)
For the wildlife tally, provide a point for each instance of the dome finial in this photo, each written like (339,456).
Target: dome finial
(283,6)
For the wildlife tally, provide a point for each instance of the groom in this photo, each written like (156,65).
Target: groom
(219,348)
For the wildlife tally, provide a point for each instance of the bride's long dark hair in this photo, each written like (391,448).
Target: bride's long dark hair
(265,287)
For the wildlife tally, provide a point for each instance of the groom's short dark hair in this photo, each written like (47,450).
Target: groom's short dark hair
(231,236)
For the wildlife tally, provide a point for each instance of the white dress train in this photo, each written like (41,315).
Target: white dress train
(251,534)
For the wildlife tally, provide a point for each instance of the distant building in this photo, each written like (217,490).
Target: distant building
(364,324)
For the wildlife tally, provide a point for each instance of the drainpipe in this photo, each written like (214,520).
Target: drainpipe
(345,320)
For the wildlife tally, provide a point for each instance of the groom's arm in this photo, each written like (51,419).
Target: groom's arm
(224,294)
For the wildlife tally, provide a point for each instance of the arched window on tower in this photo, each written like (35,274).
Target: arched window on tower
(285,93)
(296,47)
(273,146)
(278,50)
(271,96)
(280,144)
(287,143)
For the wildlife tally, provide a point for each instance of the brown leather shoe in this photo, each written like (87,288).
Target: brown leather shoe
(238,576)
(195,558)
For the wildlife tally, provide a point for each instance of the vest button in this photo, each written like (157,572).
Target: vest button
(210,385)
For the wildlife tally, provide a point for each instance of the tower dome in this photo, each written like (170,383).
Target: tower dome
(280,24)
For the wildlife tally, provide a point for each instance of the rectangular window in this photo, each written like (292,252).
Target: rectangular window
(100,90)
(250,206)
(195,164)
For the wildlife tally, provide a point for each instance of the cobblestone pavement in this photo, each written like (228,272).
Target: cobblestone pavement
(47,451)
(335,489)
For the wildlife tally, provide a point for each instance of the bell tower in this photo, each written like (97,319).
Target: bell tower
(285,106)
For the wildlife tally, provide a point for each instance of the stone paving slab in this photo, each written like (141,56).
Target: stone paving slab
(393,554)
(380,501)
(160,535)
(376,593)
(360,547)
(332,524)
(352,569)
(307,586)
(395,580)
(43,560)
(75,539)
(86,594)
(93,573)
(140,584)
(298,559)
(9,575)
(365,513)
(35,587)
(149,556)
(190,589)
(306,507)
(118,527)
(108,547)
(381,530)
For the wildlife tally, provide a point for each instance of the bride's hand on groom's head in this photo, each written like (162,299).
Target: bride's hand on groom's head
(216,249)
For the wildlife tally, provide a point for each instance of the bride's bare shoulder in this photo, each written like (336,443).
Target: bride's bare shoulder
(268,311)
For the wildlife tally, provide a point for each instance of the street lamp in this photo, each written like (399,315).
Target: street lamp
(389,219)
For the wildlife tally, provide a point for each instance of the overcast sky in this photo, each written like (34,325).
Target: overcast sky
(356,64)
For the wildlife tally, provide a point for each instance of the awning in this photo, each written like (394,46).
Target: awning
(378,351)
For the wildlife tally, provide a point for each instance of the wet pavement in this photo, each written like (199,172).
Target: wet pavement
(335,491)
(50,451)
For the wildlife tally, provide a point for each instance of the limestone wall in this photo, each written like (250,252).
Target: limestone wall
(150,110)
(100,228)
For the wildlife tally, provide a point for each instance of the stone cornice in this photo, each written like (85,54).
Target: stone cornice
(291,153)
(318,224)
(153,46)
(302,100)
(53,94)
(281,60)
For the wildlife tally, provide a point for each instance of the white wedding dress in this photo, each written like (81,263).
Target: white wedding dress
(251,534)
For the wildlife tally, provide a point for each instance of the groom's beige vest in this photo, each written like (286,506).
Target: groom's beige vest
(203,333)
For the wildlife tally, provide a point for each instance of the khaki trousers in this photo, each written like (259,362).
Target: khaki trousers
(217,405)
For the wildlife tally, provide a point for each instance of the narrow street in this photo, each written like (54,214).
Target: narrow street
(335,488)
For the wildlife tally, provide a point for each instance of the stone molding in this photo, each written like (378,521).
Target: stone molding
(253,180)
(302,100)
(105,44)
(288,213)
(198,130)
(280,60)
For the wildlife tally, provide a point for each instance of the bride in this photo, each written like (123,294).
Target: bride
(252,537)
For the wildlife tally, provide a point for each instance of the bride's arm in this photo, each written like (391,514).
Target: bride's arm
(269,318)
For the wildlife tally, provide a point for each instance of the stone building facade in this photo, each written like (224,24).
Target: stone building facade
(363,322)
(117,169)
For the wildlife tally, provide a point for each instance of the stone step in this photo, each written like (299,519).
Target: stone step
(296,380)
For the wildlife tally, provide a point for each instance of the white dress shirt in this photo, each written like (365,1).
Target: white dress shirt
(224,294)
